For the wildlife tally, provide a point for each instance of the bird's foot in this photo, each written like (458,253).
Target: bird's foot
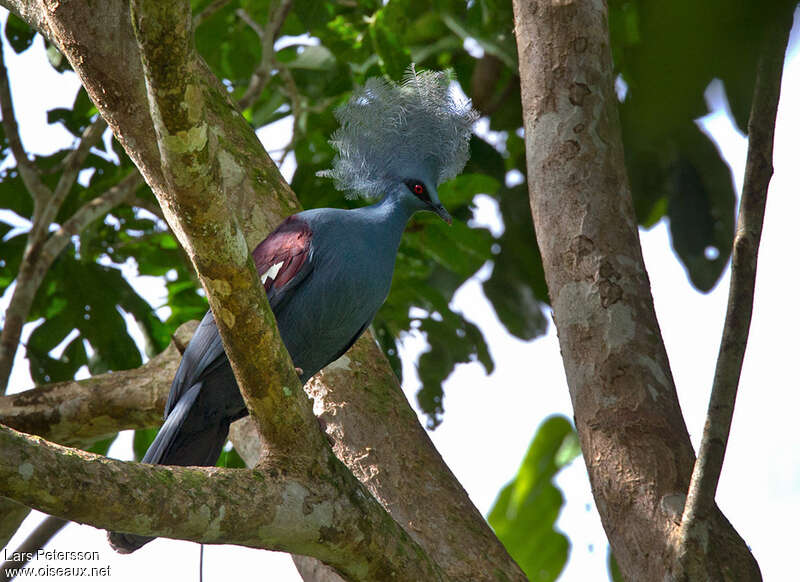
(299,371)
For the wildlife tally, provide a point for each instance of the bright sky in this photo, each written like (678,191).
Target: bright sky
(489,421)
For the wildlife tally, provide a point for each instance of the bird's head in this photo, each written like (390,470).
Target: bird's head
(425,197)
(402,140)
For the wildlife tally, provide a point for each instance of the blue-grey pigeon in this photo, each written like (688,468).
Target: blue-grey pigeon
(326,271)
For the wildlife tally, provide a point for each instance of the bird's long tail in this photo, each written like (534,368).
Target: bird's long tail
(182,440)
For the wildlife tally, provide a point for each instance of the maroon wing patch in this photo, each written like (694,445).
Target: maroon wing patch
(281,255)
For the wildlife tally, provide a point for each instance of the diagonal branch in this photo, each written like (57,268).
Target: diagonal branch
(632,432)
(758,172)
(290,510)
(43,533)
(90,212)
(70,167)
(267,36)
(80,412)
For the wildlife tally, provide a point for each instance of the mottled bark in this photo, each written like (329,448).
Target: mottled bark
(300,512)
(632,433)
(101,47)
(394,464)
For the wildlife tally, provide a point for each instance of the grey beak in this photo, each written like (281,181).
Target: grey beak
(442,212)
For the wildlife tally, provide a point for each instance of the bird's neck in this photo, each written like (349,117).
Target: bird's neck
(392,212)
(390,217)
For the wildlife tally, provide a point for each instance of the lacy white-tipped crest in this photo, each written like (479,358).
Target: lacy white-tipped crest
(389,131)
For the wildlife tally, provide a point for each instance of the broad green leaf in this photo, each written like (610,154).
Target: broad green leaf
(101,447)
(453,340)
(231,460)
(516,288)
(462,189)
(10,258)
(613,568)
(142,439)
(19,34)
(525,512)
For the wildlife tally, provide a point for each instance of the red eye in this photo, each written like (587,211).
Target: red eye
(419,189)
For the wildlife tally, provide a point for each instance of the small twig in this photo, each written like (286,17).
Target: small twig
(90,212)
(74,161)
(758,172)
(38,538)
(69,168)
(27,170)
(294,98)
(267,35)
(151,206)
(208,12)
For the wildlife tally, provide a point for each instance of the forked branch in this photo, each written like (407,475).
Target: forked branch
(758,172)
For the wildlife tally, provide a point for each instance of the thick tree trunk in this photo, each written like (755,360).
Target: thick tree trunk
(632,433)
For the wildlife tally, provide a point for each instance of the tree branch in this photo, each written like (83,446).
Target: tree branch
(267,36)
(207,12)
(90,212)
(259,198)
(27,170)
(39,537)
(70,167)
(758,172)
(80,412)
(629,421)
(280,510)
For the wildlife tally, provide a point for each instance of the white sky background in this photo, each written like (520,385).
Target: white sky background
(489,421)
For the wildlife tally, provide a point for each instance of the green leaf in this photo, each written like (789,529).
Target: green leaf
(667,54)
(312,13)
(231,460)
(76,119)
(496,39)
(485,159)
(457,247)
(11,251)
(453,340)
(313,58)
(19,34)
(394,58)
(56,59)
(45,369)
(613,568)
(13,194)
(142,439)
(525,512)
(517,289)
(101,447)
(701,209)
(462,189)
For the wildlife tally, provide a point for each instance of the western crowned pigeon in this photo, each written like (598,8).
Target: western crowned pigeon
(326,271)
